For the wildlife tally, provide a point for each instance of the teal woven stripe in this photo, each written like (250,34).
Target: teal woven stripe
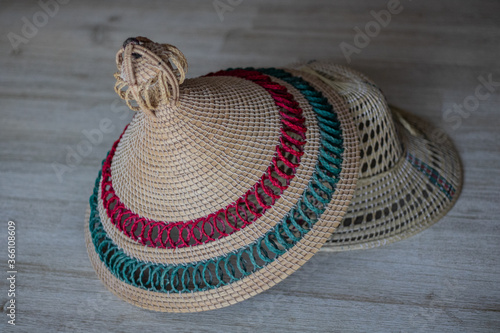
(223,270)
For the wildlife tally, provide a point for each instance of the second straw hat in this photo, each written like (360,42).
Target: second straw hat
(221,186)
(410,172)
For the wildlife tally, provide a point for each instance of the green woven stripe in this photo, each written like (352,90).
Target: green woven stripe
(223,270)
(433,175)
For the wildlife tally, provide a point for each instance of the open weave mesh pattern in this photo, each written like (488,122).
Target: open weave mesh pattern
(407,181)
(380,144)
(259,265)
(399,210)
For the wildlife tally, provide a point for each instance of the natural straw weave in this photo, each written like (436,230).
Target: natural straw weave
(215,144)
(199,147)
(253,231)
(410,174)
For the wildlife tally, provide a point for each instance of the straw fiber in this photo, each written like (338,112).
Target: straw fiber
(410,173)
(221,186)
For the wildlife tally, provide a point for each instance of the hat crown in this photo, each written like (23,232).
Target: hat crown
(380,144)
(183,160)
(199,157)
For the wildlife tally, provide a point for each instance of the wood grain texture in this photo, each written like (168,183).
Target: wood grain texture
(429,57)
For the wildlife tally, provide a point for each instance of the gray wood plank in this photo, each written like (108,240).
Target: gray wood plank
(429,57)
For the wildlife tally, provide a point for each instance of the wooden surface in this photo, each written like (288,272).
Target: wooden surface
(426,59)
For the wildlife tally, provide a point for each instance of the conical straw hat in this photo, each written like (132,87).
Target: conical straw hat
(221,186)
(410,173)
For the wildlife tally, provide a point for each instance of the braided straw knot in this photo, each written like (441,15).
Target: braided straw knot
(149,74)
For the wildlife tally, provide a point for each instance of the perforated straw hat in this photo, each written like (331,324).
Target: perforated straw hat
(410,172)
(221,186)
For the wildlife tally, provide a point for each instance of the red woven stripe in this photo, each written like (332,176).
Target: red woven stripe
(243,211)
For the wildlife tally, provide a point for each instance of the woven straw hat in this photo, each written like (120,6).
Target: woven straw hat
(221,186)
(410,173)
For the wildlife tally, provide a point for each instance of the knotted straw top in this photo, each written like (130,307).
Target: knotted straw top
(222,185)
